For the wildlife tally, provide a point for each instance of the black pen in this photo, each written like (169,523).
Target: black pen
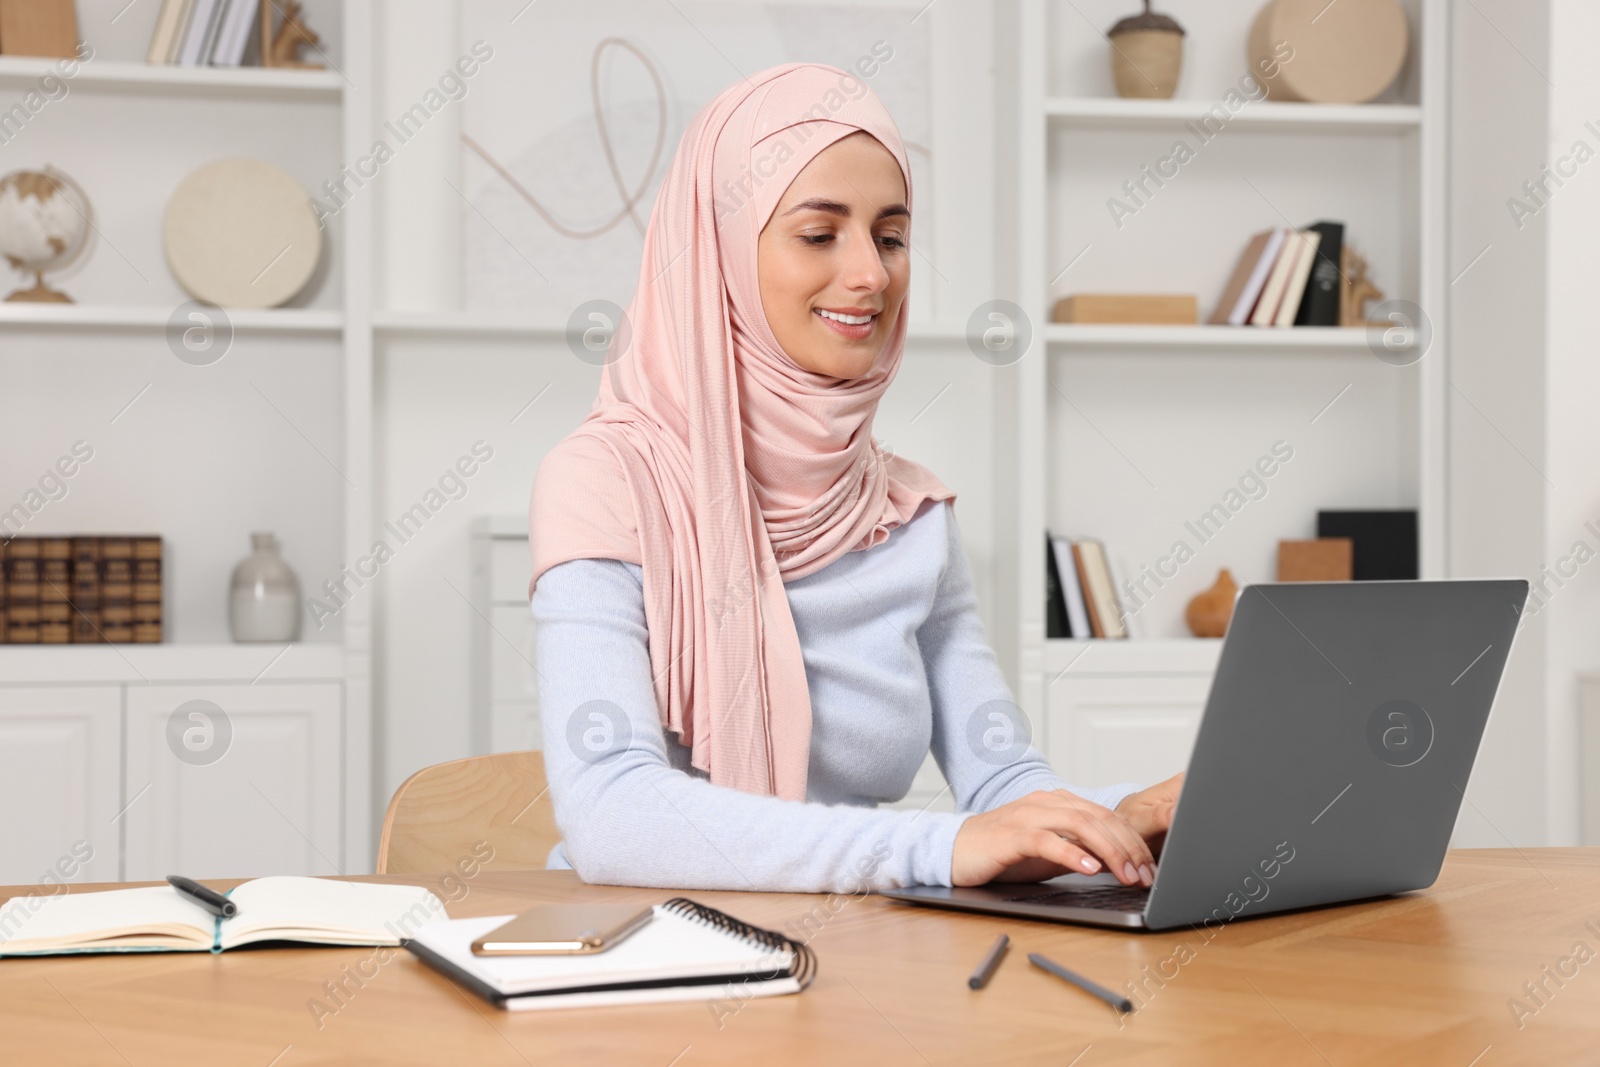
(207,898)
(1117,1001)
(980,977)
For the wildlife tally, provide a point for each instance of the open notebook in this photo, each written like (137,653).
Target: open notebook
(687,951)
(320,911)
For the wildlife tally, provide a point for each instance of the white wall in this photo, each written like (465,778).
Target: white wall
(1572,391)
(1525,442)
(1500,92)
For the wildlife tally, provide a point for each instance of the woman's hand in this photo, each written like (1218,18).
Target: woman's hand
(1050,833)
(1149,811)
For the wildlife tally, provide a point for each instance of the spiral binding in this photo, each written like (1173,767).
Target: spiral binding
(804,967)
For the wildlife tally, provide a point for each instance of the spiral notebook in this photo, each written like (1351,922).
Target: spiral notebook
(687,951)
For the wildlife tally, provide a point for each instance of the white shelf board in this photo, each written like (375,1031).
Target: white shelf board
(136,317)
(1116,113)
(202,83)
(464,324)
(1236,338)
(137,664)
(1192,655)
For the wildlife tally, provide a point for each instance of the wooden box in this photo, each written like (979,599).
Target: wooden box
(1143,309)
(1327,559)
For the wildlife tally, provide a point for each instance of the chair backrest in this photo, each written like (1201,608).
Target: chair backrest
(442,814)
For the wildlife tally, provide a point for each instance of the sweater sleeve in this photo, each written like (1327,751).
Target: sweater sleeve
(981,738)
(629,816)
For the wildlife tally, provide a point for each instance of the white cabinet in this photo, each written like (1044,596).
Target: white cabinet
(1125,711)
(505,689)
(233,780)
(139,761)
(59,783)
(1589,757)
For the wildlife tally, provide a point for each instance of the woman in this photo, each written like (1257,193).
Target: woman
(753,623)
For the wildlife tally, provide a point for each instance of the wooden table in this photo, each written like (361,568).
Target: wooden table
(1424,979)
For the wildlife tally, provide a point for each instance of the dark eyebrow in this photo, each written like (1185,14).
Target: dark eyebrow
(834,207)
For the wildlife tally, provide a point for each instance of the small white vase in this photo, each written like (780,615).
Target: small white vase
(264,601)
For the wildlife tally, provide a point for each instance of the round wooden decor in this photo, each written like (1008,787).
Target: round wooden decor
(1347,52)
(240,233)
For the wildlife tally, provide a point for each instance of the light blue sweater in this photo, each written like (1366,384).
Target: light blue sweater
(896,662)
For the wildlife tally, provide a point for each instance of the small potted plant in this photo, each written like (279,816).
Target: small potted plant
(1146,55)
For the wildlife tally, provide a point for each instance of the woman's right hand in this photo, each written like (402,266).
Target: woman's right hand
(1046,834)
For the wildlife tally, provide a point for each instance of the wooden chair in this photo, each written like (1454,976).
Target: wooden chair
(442,815)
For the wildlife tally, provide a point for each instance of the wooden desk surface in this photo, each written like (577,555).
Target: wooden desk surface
(1424,979)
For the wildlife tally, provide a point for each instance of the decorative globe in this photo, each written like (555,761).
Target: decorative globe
(44,225)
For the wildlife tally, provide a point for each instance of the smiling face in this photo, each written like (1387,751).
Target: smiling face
(834,259)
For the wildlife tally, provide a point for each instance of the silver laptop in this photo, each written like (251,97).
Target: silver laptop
(1332,758)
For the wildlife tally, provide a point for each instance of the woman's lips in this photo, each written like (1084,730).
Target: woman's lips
(851,330)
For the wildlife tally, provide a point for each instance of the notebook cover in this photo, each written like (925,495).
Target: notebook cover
(512,1001)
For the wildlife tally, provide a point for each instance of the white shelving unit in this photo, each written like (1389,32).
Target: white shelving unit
(277,436)
(1158,339)
(1116,431)
(1115,113)
(135,317)
(122,77)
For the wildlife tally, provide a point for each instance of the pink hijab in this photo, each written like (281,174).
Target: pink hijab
(714,461)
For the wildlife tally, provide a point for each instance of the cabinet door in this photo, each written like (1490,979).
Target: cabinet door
(59,772)
(1124,729)
(234,780)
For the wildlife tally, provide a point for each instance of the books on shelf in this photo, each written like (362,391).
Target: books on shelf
(198,33)
(1285,277)
(1082,591)
(1305,252)
(319,911)
(1249,277)
(80,590)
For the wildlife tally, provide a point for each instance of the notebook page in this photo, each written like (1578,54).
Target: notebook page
(668,946)
(327,911)
(155,916)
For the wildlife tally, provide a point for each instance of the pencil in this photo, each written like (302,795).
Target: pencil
(991,960)
(1121,1003)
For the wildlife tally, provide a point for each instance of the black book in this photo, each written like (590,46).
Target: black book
(1055,604)
(1320,304)
(1384,543)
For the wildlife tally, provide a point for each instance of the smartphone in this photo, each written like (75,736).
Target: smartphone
(563,929)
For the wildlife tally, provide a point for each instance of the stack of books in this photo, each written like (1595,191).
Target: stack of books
(203,33)
(1080,590)
(80,590)
(1285,277)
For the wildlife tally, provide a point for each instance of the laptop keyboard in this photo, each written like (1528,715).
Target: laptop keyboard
(1102,898)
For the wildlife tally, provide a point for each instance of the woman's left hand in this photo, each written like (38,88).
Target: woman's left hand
(1149,811)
